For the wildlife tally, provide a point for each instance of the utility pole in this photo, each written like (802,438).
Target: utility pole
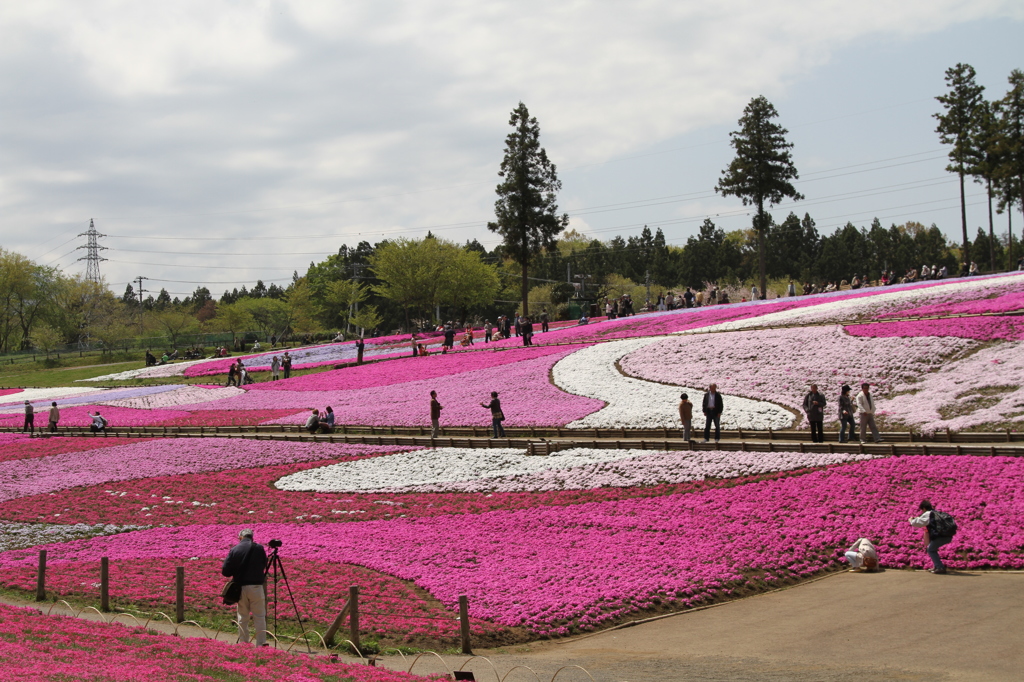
(141,328)
(647,281)
(92,256)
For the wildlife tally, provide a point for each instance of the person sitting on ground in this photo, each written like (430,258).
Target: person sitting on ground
(150,359)
(327,420)
(164,359)
(422,350)
(173,355)
(584,320)
(256,346)
(862,555)
(98,422)
(313,421)
(974,269)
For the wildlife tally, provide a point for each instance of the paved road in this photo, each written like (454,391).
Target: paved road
(894,625)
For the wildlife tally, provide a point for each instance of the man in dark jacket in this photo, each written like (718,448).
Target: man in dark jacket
(712,407)
(246,564)
(814,406)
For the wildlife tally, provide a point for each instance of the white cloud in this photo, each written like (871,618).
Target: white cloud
(336,117)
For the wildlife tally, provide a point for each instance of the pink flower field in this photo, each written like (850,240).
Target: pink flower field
(543,546)
(34,646)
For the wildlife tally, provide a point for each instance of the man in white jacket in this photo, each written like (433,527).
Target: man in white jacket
(866,408)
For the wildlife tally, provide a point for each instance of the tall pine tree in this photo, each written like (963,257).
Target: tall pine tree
(1011,145)
(762,170)
(958,126)
(526,211)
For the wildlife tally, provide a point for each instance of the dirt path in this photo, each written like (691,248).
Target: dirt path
(894,625)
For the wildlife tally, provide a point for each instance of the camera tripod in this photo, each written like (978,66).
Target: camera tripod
(274,565)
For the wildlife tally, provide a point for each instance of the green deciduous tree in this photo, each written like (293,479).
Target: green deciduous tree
(46,338)
(526,212)
(762,171)
(231,317)
(958,126)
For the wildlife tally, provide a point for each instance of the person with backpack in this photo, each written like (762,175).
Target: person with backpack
(246,565)
(940,526)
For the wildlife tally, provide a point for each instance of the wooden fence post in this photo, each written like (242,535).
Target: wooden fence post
(41,577)
(179,593)
(464,623)
(104,584)
(353,615)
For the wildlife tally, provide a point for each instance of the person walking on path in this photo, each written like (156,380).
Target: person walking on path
(846,415)
(286,364)
(527,327)
(712,408)
(866,408)
(939,531)
(275,368)
(497,416)
(231,376)
(686,415)
(30,418)
(543,321)
(814,406)
(435,415)
(54,416)
(246,564)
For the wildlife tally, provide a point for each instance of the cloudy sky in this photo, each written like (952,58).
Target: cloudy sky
(220,141)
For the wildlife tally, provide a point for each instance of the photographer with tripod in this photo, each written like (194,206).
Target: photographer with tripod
(246,565)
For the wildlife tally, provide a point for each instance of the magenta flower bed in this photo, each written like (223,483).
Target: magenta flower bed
(10,391)
(170,456)
(580,566)
(977,328)
(249,496)
(78,416)
(388,606)
(20,446)
(404,370)
(38,647)
(527,395)
(1000,299)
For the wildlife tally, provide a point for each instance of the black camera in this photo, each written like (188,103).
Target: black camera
(274,544)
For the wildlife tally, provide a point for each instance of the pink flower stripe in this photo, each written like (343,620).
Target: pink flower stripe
(19,446)
(977,328)
(10,391)
(779,364)
(20,478)
(38,647)
(526,392)
(249,496)
(999,299)
(404,370)
(579,566)
(388,607)
(984,390)
(78,416)
(228,417)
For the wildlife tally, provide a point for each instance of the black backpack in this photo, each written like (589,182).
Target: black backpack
(941,525)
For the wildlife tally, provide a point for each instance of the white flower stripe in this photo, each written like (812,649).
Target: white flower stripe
(445,470)
(635,403)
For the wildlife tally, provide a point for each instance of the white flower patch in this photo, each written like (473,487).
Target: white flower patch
(37,394)
(22,535)
(159,371)
(444,470)
(186,395)
(635,403)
